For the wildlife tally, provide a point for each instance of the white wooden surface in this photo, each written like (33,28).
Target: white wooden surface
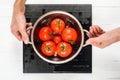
(106,62)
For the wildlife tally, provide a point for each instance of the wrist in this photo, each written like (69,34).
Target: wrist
(19,7)
(118,34)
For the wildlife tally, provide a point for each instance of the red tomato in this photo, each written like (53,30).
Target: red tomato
(57,25)
(48,48)
(57,39)
(69,35)
(64,49)
(45,33)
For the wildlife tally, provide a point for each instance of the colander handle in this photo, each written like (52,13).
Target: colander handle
(88,36)
(29,28)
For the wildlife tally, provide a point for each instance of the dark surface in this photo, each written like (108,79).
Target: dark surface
(81,64)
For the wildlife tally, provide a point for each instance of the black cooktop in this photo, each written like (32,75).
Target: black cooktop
(81,64)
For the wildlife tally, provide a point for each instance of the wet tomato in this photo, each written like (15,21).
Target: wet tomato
(48,48)
(45,33)
(69,35)
(57,39)
(64,49)
(57,25)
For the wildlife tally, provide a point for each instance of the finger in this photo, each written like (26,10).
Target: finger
(92,41)
(29,24)
(98,29)
(89,35)
(92,32)
(101,31)
(28,32)
(95,31)
(88,41)
(24,35)
(18,35)
(95,42)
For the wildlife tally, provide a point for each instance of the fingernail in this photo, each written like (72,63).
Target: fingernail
(88,42)
(26,42)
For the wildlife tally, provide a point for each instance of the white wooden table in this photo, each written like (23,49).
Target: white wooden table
(106,62)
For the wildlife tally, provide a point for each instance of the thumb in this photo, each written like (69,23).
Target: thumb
(96,42)
(24,36)
(92,41)
(24,33)
(88,41)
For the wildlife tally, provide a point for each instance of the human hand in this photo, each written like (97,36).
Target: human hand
(18,27)
(100,38)
(95,31)
(18,24)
